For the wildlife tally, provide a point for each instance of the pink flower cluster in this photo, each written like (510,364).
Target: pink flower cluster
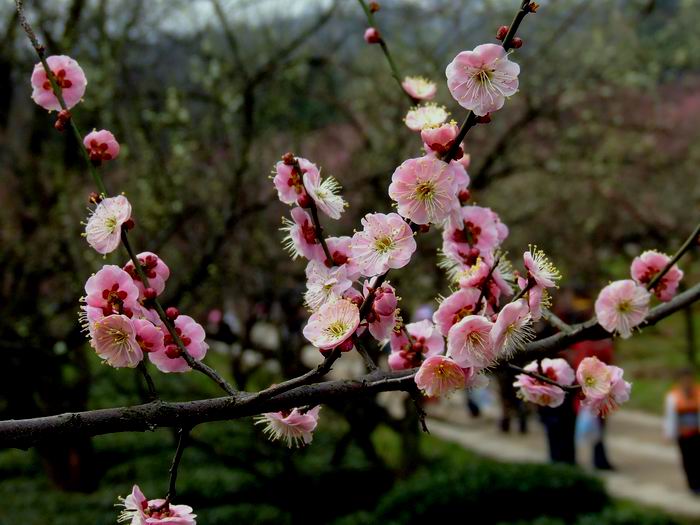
(124,328)
(602,385)
(539,392)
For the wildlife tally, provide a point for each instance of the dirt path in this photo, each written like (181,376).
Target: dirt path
(648,468)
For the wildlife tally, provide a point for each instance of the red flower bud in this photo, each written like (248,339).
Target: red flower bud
(149,293)
(484,119)
(502,32)
(346,345)
(464,196)
(533,7)
(424,228)
(59,125)
(288,158)
(129,224)
(373,7)
(304,201)
(172,313)
(64,115)
(372,35)
(517,42)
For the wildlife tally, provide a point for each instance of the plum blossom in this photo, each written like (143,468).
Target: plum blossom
(113,291)
(602,385)
(104,226)
(69,77)
(101,145)
(419,88)
(333,324)
(192,335)
(301,239)
(540,268)
(138,510)
(340,249)
(648,264)
(428,115)
(480,80)
(381,319)
(372,35)
(414,343)
(513,328)
(288,180)
(425,189)
(157,272)
(439,375)
(439,140)
(545,394)
(114,340)
(324,193)
(621,306)
(385,242)
(495,282)
(454,308)
(324,284)
(475,234)
(294,427)
(469,342)
(149,337)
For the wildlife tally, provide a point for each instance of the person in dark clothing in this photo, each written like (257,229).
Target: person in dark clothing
(560,425)
(682,423)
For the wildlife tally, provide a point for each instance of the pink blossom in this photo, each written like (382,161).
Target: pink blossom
(324,192)
(455,307)
(465,160)
(477,275)
(426,116)
(650,263)
(324,284)
(340,249)
(440,375)
(192,336)
(602,385)
(69,76)
(537,298)
(333,324)
(426,335)
(385,242)
(399,361)
(382,317)
(288,181)
(301,239)
(294,427)
(148,336)
(104,226)
(101,145)
(440,139)
(469,342)
(157,272)
(424,341)
(425,189)
(512,329)
(114,340)
(140,511)
(475,234)
(113,291)
(540,268)
(621,306)
(539,392)
(419,88)
(481,79)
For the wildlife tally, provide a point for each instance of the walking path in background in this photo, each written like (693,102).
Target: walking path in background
(647,471)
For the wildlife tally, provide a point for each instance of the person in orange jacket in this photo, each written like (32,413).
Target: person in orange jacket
(682,423)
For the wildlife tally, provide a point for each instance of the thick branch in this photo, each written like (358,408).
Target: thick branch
(26,433)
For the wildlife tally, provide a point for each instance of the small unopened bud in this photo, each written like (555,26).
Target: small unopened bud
(346,345)
(533,7)
(150,293)
(485,119)
(502,32)
(288,158)
(172,313)
(464,196)
(372,35)
(517,42)
(64,115)
(304,201)
(95,197)
(129,224)
(424,228)
(60,125)
(373,7)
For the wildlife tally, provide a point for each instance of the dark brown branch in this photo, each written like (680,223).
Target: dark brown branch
(183,438)
(152,393)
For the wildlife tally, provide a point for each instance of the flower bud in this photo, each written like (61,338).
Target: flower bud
(150,293)
(517,42)
(502,32)
(372,35)
(485,119)
(424,228)
(304,201)
(373,7)
(172,313)
(130,224)
(533,7)
(464,196)
(288,158)
(346,345)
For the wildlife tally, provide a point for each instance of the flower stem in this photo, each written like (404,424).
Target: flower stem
(687,245)
(544,379)
(152,393)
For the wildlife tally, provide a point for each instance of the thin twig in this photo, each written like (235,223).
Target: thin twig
(362,350)
(689,243)
(183,435)
(555,321)
(418,403)
(152,392)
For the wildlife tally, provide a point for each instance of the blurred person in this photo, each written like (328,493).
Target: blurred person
(512,407)
(682,423)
